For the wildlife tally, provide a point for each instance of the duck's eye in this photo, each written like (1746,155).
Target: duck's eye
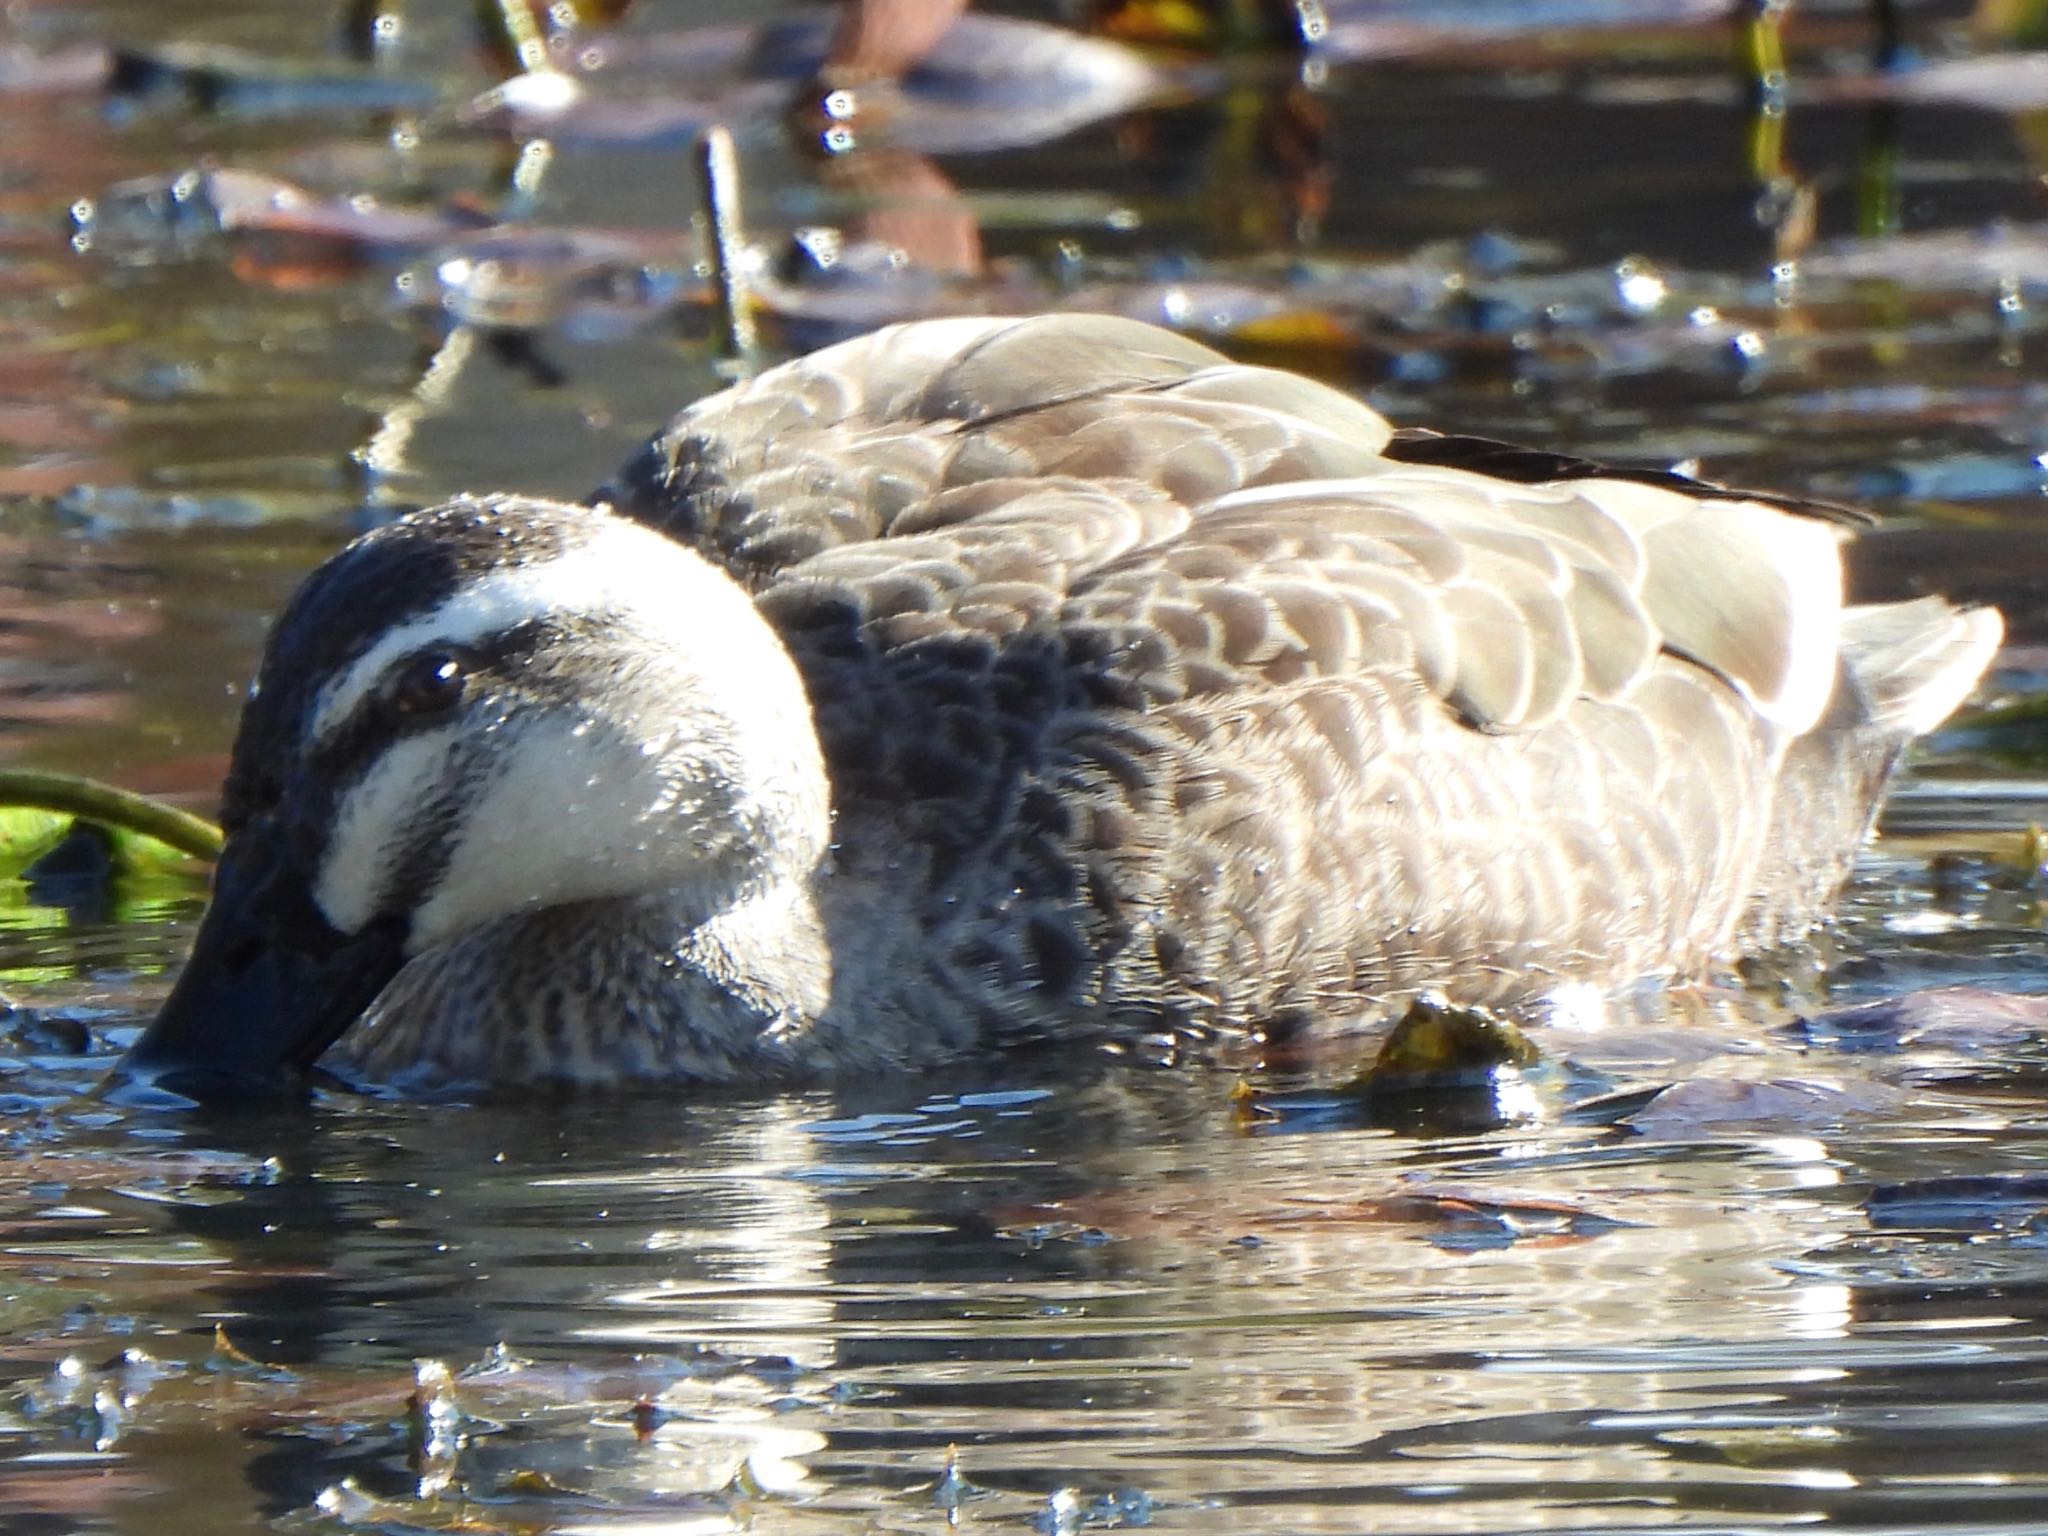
(429,684)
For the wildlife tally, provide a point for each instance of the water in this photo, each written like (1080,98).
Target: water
(1810,1285)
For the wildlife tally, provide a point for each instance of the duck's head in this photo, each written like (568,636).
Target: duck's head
(485,708)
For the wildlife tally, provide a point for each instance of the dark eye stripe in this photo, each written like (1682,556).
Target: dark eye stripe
(347,753)
(380,718)
(504,672)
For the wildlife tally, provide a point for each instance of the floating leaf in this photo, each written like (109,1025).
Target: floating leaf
(27,832)
(1960,1018)
(1971,1202)
(1713,1106)
(1313,340)
(228,1360)
(532,1482)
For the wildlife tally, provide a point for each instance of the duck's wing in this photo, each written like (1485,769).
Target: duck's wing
(1227,694)
(1516,461)
(1206,526)
(923,426)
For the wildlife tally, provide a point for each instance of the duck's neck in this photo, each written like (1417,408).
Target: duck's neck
(767,959)
(607,991)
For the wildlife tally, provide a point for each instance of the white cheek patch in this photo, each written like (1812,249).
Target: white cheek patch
(572,813)
(373,827)
(691,734)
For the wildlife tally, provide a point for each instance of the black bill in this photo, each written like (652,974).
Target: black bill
(270,984)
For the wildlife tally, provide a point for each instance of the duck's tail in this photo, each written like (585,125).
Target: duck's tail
(1905,667)
(1915,662)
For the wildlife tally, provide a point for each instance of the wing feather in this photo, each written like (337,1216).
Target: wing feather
(908,471)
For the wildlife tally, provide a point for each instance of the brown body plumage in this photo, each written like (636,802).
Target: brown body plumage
(1147,688)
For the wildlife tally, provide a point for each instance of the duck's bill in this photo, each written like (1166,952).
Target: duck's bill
(270,985)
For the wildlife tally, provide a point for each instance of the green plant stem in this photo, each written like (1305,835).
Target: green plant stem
(69,794)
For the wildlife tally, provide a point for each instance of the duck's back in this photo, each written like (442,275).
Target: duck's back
(1159,683)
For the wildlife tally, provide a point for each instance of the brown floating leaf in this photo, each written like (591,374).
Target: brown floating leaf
(530,1480)
(1958,1018)
(227,1357)
(1714,1106)
(1313,340)
(1211,1213)
(1967,1202)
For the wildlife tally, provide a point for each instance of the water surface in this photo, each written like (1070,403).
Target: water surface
(1807,1286)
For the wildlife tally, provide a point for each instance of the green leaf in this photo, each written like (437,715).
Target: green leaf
(27,833)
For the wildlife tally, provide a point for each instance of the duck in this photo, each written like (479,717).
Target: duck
(1055,679)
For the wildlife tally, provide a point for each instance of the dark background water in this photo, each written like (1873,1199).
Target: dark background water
(1807,1286)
